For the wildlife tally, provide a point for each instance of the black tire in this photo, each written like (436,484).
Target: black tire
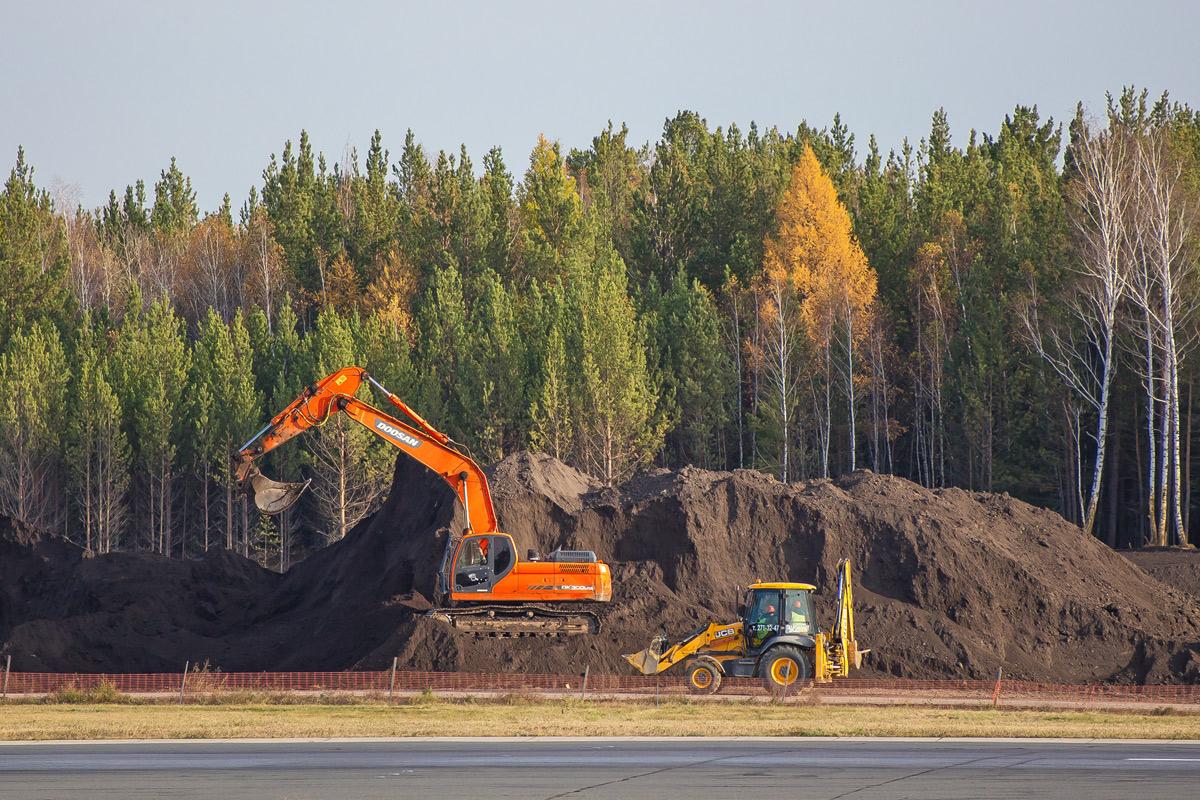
(703,677)
(784,668)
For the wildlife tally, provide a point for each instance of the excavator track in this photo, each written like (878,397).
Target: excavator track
(502,621)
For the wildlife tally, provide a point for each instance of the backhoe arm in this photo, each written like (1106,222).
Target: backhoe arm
(839,653)
(420,441)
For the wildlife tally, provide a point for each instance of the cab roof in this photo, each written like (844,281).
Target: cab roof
(778,585)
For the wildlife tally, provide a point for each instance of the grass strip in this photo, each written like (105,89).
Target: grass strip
(424,716)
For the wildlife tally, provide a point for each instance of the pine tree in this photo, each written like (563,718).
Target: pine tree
(550,212)
(552,428)
(695,368)
(350,468)
(99,451)
(492,392)
(225,371)
(150,375)
(33,253)
(34,372)
(618,427)
(443,341)
(284,371)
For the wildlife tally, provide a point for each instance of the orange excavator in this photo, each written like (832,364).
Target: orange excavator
(482,584)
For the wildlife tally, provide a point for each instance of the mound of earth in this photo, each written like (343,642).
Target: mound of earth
(63,609)
(948,583)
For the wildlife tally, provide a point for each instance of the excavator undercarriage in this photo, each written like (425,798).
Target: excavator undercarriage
(505,621)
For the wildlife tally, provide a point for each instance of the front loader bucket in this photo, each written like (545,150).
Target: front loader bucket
(274,497)
(647,661)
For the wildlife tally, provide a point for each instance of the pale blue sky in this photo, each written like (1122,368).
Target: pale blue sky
(103,93)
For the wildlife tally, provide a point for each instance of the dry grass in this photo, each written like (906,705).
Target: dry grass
(426,716)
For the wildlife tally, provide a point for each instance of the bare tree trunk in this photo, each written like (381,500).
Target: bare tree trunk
(1114,486)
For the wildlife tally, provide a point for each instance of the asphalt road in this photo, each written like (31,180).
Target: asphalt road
(624,769)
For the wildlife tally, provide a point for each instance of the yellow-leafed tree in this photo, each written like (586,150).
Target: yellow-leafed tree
(391,293)
(814,254)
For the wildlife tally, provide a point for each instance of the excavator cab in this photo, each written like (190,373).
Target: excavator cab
(481,560)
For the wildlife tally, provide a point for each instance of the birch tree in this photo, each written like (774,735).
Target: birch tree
(1165,274)
(1080,346)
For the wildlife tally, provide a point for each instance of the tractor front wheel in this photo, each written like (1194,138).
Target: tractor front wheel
(703,677)
(783,668)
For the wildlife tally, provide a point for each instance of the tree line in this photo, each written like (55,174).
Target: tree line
(1015,313)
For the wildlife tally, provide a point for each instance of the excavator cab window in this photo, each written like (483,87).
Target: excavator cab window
(763,620)
(502,556)
(473,553)
(472,572)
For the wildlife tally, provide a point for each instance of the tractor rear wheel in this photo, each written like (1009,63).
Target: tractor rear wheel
(703,677)
(783,669)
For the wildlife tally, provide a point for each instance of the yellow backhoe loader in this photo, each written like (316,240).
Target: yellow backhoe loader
(777,639)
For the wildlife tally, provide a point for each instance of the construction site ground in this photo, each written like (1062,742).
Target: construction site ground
(950,584)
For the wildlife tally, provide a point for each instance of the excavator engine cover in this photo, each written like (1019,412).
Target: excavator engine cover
(274,497)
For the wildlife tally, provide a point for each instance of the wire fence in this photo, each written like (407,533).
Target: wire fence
(395,684)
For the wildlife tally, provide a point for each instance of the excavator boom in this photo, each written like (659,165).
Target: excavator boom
(421,441)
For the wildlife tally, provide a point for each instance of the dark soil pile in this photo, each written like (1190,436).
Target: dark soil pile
(64,610)
(1171,565)
(948,583)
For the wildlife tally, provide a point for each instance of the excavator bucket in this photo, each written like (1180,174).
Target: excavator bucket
(647,661)
(274,497)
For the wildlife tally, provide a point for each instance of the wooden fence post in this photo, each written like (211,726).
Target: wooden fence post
(996,693)
(392,688)
(583,690)
(183,681)
(7,669)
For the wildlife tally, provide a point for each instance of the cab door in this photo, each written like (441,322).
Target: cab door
(481,561)
(762,619)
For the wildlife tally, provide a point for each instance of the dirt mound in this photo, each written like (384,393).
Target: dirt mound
(948,583)
(1172,565)
(63,609)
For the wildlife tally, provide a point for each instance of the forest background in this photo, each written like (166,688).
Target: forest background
(1014,313)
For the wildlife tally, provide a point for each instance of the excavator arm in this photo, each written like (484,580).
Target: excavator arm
(420,441)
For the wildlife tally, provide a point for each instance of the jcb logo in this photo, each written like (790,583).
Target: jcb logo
(722,634)
(392,432)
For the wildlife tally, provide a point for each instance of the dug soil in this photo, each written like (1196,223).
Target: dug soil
(948,583)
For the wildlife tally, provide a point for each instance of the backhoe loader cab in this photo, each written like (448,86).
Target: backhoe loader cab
(777,609)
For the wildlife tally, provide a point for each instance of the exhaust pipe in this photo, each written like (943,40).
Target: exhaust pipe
(273,497)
